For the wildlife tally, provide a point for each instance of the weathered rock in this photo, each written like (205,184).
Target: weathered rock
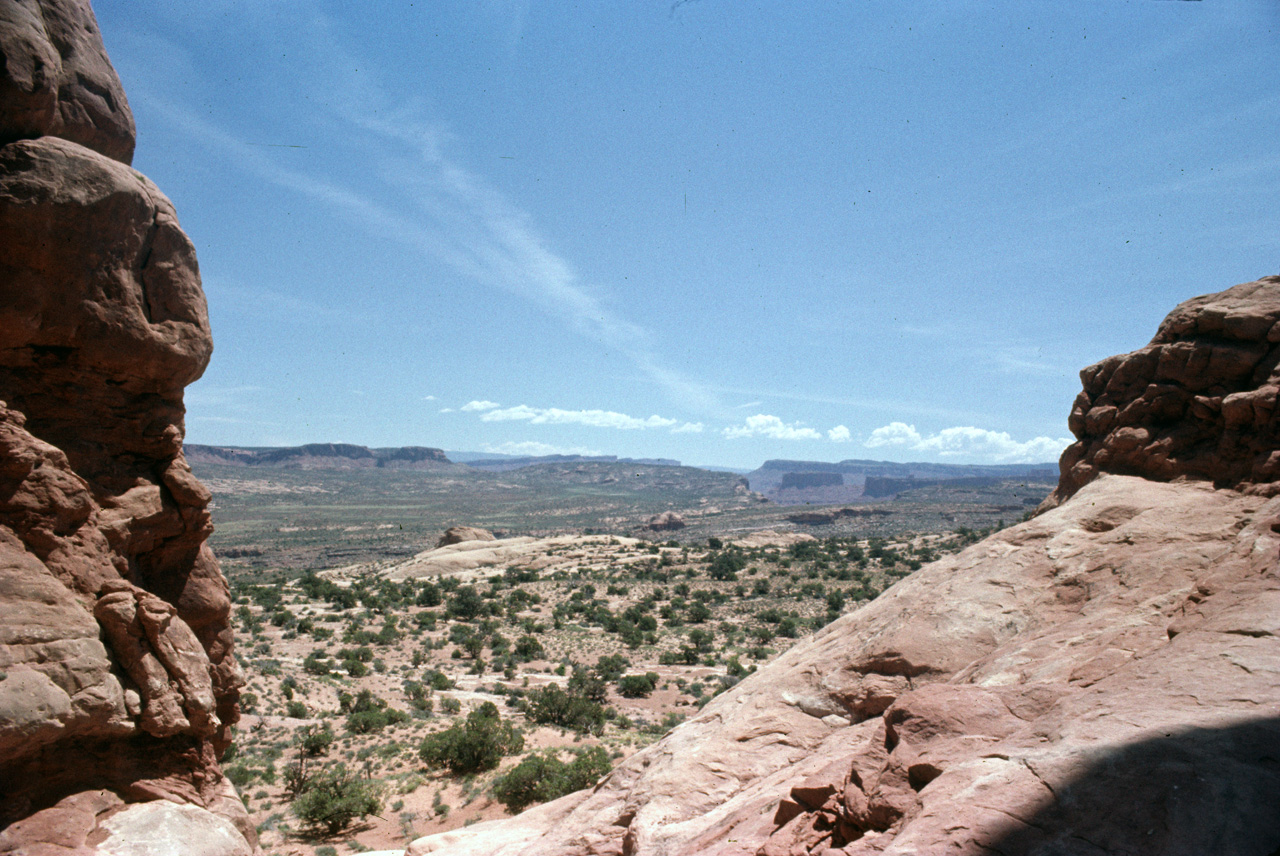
(56,79)
(118,685)
(153,828)
(459,534)
(1198,402)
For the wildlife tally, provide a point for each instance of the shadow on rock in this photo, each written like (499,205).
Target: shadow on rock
(1195,791)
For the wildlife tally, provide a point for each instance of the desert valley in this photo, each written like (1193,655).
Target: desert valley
(331,648)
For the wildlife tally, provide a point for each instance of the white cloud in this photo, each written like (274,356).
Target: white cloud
(590,418)
(447,410)
(428,398)
(533,447)
(970,442)
(893,434)
(839,434)
(480,405)
(688,428)
(764,425)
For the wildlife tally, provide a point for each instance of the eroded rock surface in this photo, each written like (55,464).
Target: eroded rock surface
(1198,402)
(56,79)
(118,686)
(1103,678)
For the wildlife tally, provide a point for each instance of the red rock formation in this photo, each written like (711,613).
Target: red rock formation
(117,680)
(1104,678)
(1198,402)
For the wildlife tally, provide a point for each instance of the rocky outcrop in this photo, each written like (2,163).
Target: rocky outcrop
(321,456)
(1198,402)
(458,534)
(829,516)
(1103,678)
(118,685)
(57,80)
(666,521)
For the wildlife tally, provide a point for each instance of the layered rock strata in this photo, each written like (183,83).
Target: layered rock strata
(118,686)
(1103,678)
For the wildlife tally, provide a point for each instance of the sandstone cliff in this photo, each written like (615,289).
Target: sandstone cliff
(118,687)
(1104,678)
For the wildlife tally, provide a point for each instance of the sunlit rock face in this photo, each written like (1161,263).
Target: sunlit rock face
(1103,678)
(119,684)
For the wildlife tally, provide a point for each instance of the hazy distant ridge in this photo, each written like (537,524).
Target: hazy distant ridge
(343,456)
(794,481)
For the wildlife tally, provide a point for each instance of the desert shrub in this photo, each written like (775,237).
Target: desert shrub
(686,656)
(702,639)
(239,774)
(638,686)
(529,648)
(390,632)
(314,665)
(725,566)
(611,666)
(367,713)
(296,710)
(551,705)
(472,745)
(543,776)
(437,680)
(590,683)
(466,604)
(335,797)
(428,595)
(314,741)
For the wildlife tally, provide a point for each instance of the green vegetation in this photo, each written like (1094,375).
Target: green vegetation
(473,745)
(542,777)
(335,797)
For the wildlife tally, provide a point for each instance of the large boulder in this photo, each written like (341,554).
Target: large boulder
(118,684)
(460,534)
(56,80)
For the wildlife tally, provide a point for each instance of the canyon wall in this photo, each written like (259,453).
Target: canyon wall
(118,684)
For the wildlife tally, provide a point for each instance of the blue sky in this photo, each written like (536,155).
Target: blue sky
(715,231)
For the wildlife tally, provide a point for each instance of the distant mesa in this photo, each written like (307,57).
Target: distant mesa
(502,463)
(821,483)
(805,480)
(458,534)
(881,487)
(320,456)
(667,521)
